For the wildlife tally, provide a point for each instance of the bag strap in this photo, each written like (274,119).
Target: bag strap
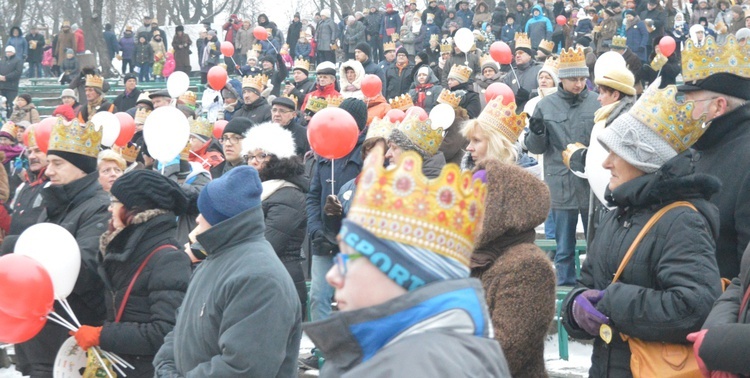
(655,218)
(743,306)
(135,277)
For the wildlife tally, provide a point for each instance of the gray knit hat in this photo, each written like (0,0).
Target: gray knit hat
(400,139)
(637,143)
(572,64)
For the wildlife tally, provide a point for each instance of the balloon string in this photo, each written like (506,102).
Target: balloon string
(114,357)
(69,310)
(658,73)
(198,156)
(333,182)
(55,317)
(518,83)
(99,357)
(113,363)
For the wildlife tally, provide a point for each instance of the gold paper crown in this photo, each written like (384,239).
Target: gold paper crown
(94,81)
(659,110)
(443,215)
(572,59)
(460,71)
(434,37)
(316,104)
(486,58)
(293,98)
(422,134)
(257,82)
(201,126)
(619,42)
(32,136)
(334,101)
(75,138)
(522,40)
(189,98)
(10,128)
(698,63)
(389,46)
(185,154)
(258,47)
(140,115)
(402,102)
(130,152)
(546,46)
(448,97)
(380,128)
(503,118)
(446,47)
(302,64)
(552,63)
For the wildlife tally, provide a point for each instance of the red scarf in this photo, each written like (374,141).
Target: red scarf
(421,95)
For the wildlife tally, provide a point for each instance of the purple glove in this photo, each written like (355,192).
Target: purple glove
(585,313)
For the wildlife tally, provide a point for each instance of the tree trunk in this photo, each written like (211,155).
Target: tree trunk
(94,30)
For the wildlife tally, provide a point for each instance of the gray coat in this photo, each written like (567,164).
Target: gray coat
(244,40)
(354,34)
(567,119)
(325,35)
(246,324)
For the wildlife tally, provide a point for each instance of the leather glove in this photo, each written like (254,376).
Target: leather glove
(585,313)
(87,336)
(658,62)
(536,125)
(522,95)
(333,206)
(574,157)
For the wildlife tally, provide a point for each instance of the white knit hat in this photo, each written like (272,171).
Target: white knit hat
(271,138)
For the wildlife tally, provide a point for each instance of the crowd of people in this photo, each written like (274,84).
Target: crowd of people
(420,240)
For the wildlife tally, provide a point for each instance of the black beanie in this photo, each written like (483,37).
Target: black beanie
(357,108)
(26,98)
(180,28)
(365,48)
(145,190)
(85,163)
(238,125)
(423,57)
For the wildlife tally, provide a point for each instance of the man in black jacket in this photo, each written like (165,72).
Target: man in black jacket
(11,69)
(362,54)
(372,31)
(283,113)
(302,83)
(399,76)
(36,50)
(256,107)
(27,203)
(293,33)
(127,99)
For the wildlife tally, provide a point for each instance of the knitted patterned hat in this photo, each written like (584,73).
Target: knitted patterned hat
(573,64)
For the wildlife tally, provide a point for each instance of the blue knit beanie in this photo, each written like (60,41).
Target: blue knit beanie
(233,193)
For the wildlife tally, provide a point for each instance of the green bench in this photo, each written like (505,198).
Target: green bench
(549,245)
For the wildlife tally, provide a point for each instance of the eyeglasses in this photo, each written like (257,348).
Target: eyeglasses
(280,111)
(111,170)
(342,261)
(113,200)
(234,139)
(260,157)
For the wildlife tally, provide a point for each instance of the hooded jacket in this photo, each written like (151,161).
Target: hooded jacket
(538,27)
(127,46)
(285,217)
(429,91)
(351,89)
(480,17)
(398,79)
(667,289)
(258,111)
(18,42)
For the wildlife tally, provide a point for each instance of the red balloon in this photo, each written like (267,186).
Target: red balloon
(33,295)
(561,20)
(501,53)
(371,85)
(42,131)
(260,33)
(417,111)
(395,115)
(227,48)
(667,46)
(219,128)
(217,77)
(15,330)
(499,89)
(127,129)
(332,133)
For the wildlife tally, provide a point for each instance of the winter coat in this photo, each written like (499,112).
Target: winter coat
(498,20)
(667,289)
(538,27)
(446,24)
(63,41)
(708,12)
(293,33)
(19,42)
(150,311)
(144,53)
(469,99)
(70,67)
(301,89)
(454,143)
(35,54)
(127,46)
(408,39)
(466,17)
(244,40)
(481,83)
(508,33)
(416,343)
(720,153)
(354,35)
(326,34)
(351,89)
(460,59)
(659,17)
(377,107)
(299,133)
(398,80)
(391,24)
(80,41)
(637,42)
(285,217)
(603,38)
(373,69)
(427,31)
(372,23)
(258,111)
(303,50)
(27,203)
(26,113)
(110,39)
(181,46)
(255,296)
(125,101)
(517,277)
(11,68)
(527,79)
(430,91)
(567,119)
(324,92)
(437,12)
(481,17)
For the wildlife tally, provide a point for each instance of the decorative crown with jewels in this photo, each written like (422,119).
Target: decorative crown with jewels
(422,134)
(201,127)
(94,81)
(130,152)
(460,71)
(546,46)
(31,141)
(380,128)
(402,102)
(389,46)
(671,119)
(448,97)
(503,118)
(316,104)
(443,215)
(301,64)
(523,41)
(257,82)
(140,115)
(75,138)
(698,63)
(189,98)
(258,47)
(334,101)
(619,42)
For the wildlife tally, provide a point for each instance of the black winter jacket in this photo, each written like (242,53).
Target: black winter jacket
(286,219)
(667,289)
(469,99)
(301,89)
(11,68)
(398,80)
(258,111)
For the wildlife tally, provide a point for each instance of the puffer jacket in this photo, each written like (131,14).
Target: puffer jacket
(398,80)
(326,34)
(667,289)
(538,27)
(285,218)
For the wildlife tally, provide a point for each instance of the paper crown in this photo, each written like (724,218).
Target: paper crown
(389,46)
(31,142)
(257,82)
(546,46)
(402,102)
(94,81)
(486,59)
(446,47)
(503,118)
(619,42)
(316,104)
(334,101)
(258,47)
(698,63)
(140,115)
(672,120)
(448,97)
(301,64)
(380,128)
(443,215)
(523,41)
(75,138)
(10,128)
(573,63)
(130,152)
(189,98)
(552,63)
(201,127)
(434,37)
(185,153)
(460,71)
(422,134)
(293,98)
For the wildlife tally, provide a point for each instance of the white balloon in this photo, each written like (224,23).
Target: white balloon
(442,116)
(166,133)
(607,61)
(110,126)
(56,250)
(464,39)
(177,84)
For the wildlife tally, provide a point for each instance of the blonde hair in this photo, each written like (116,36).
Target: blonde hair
(109,155)
(498,145)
